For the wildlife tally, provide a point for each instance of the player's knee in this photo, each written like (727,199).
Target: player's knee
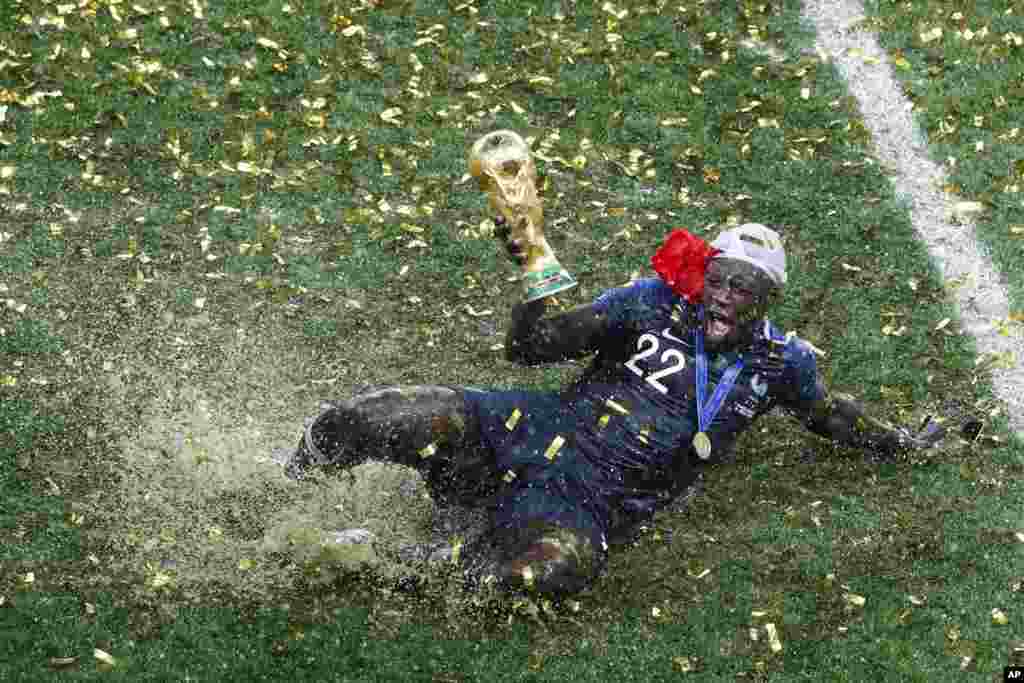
(558,563)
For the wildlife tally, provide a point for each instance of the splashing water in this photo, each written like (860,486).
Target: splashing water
(201,501)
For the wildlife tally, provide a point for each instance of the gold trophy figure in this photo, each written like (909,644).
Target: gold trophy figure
(501,163)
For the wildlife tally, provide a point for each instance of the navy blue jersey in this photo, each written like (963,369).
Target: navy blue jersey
(643,378)
(615,446)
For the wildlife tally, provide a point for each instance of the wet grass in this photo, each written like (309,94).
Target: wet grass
(961,66)
(204,250)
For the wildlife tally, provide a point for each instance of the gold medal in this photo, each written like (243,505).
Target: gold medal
(702,444)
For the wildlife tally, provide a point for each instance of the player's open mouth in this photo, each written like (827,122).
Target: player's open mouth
(716,324)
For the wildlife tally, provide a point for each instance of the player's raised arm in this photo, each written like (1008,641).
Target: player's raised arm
(533,338)
(503,166)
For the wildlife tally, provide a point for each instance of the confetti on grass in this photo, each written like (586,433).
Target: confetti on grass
(104,658)
(513,420)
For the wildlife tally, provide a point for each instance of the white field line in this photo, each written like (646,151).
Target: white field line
(900,146)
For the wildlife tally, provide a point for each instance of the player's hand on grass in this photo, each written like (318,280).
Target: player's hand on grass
(515,248)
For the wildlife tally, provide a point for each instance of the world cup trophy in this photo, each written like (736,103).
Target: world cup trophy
(502,164)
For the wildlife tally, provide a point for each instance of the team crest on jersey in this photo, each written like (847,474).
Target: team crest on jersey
(757,386)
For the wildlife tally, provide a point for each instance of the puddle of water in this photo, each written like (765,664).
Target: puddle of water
(201,500)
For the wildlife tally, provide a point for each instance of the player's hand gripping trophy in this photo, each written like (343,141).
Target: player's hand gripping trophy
(501,163)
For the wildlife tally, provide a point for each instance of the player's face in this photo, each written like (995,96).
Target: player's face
(735,297)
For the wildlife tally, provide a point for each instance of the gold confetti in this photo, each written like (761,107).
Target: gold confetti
(427,450)
(643,435)
(59,662)
(773,637)
(616,407)
(391,115)
(160,579)
(999,617)
(556,445)
(854,599)
(457,543)
(603,421)
(509,476)
(684,664)
(513,420)
(104,657)
(528,576)
(964,210)
(456,549)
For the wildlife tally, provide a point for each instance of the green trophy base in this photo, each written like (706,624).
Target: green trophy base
(543,283)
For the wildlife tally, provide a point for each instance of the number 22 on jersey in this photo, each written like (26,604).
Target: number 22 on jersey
(648,345)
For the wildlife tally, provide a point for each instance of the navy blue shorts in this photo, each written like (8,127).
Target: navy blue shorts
(543,478)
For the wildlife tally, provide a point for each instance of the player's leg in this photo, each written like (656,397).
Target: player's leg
(549,559)
(541,541)
(427,427)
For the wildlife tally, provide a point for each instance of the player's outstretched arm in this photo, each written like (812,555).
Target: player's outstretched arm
(841,418)
(534,339)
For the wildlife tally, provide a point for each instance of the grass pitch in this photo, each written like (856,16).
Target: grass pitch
(219,214)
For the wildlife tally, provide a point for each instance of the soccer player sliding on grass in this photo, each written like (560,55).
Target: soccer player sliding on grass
(682,365)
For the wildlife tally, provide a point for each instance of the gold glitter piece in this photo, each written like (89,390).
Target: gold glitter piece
(509,476)
(643,435)
(427,450)
(528,576)
(615,406)
(456,549)
(513,420)
(603,420)
(556,445)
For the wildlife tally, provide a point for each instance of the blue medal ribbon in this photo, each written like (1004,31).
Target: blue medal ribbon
(706,412)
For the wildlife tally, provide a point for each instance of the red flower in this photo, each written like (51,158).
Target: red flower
(681,262)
